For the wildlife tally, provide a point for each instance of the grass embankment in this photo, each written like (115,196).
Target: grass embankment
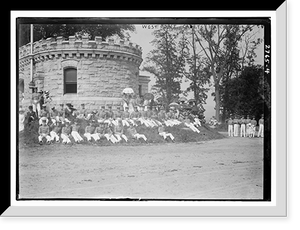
(182,133)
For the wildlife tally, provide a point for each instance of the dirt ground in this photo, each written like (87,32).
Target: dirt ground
(229,168)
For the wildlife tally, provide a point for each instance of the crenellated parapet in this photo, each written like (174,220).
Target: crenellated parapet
(58,47)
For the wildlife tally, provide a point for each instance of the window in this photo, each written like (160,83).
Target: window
(70,80)
(140,90)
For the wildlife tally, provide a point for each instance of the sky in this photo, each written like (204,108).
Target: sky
(143,37)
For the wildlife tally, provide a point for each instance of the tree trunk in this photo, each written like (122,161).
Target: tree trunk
(217,98)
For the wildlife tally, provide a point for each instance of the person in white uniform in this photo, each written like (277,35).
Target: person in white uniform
(261,126)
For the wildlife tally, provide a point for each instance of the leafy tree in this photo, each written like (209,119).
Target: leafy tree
(197,72)
(219,43)
(245,92)
(43,31)
(167,61)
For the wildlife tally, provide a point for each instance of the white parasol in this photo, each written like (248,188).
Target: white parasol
(128,91)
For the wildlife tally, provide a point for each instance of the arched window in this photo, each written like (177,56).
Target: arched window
(70,80)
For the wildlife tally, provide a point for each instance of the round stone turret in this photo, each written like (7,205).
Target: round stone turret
(76,71)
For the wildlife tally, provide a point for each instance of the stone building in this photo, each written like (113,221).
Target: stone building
(93,72)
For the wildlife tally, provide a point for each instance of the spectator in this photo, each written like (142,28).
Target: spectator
(133,133)
(162,132)
(65,133)
(44,132)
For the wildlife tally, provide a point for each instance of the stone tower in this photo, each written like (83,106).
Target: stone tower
(75,71)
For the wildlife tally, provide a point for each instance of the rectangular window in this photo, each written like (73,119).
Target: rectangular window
(70,80)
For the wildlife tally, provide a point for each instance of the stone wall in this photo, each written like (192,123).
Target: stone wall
(104,69)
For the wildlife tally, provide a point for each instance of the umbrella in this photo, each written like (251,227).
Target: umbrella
(128,90)
(173,104)
(148,96)
(182,99)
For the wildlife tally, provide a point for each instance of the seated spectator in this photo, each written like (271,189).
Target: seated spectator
(133,133)
(109,133)
(75,134)
(100,131)
(163,133)
(90,132)
(119,131)
(44,132)
(188,123)
(56,129)
(65,133)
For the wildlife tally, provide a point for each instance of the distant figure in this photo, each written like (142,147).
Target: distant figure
(101,131)
(109,134)
(56,129)
(162,132)
(35,101)
(131,103)
(235,126)
(133,133)
(44,132)
(30,117)
(261,126)
(65,133)
(243,126)
(248,126)
(75,134)
(82,113)
(89,132)
(230,127)
(253,127)
(119,131)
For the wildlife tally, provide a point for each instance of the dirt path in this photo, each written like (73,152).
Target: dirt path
(225,168)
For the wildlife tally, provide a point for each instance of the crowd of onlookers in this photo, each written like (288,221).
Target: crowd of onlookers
(62,123)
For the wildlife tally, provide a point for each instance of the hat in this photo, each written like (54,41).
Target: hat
(43,119)
(102,106)
(82,104)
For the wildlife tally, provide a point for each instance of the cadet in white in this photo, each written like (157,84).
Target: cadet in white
(243,126)
(261,126)
(230,127)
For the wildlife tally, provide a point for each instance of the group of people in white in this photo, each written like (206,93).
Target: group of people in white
(245,126)
(59,125)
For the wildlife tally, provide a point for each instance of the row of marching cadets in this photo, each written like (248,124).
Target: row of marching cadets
(245,126)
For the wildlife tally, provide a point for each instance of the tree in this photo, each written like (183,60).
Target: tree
(43,31)
(167,61)
(197,72)
(219,45)
(245,92)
